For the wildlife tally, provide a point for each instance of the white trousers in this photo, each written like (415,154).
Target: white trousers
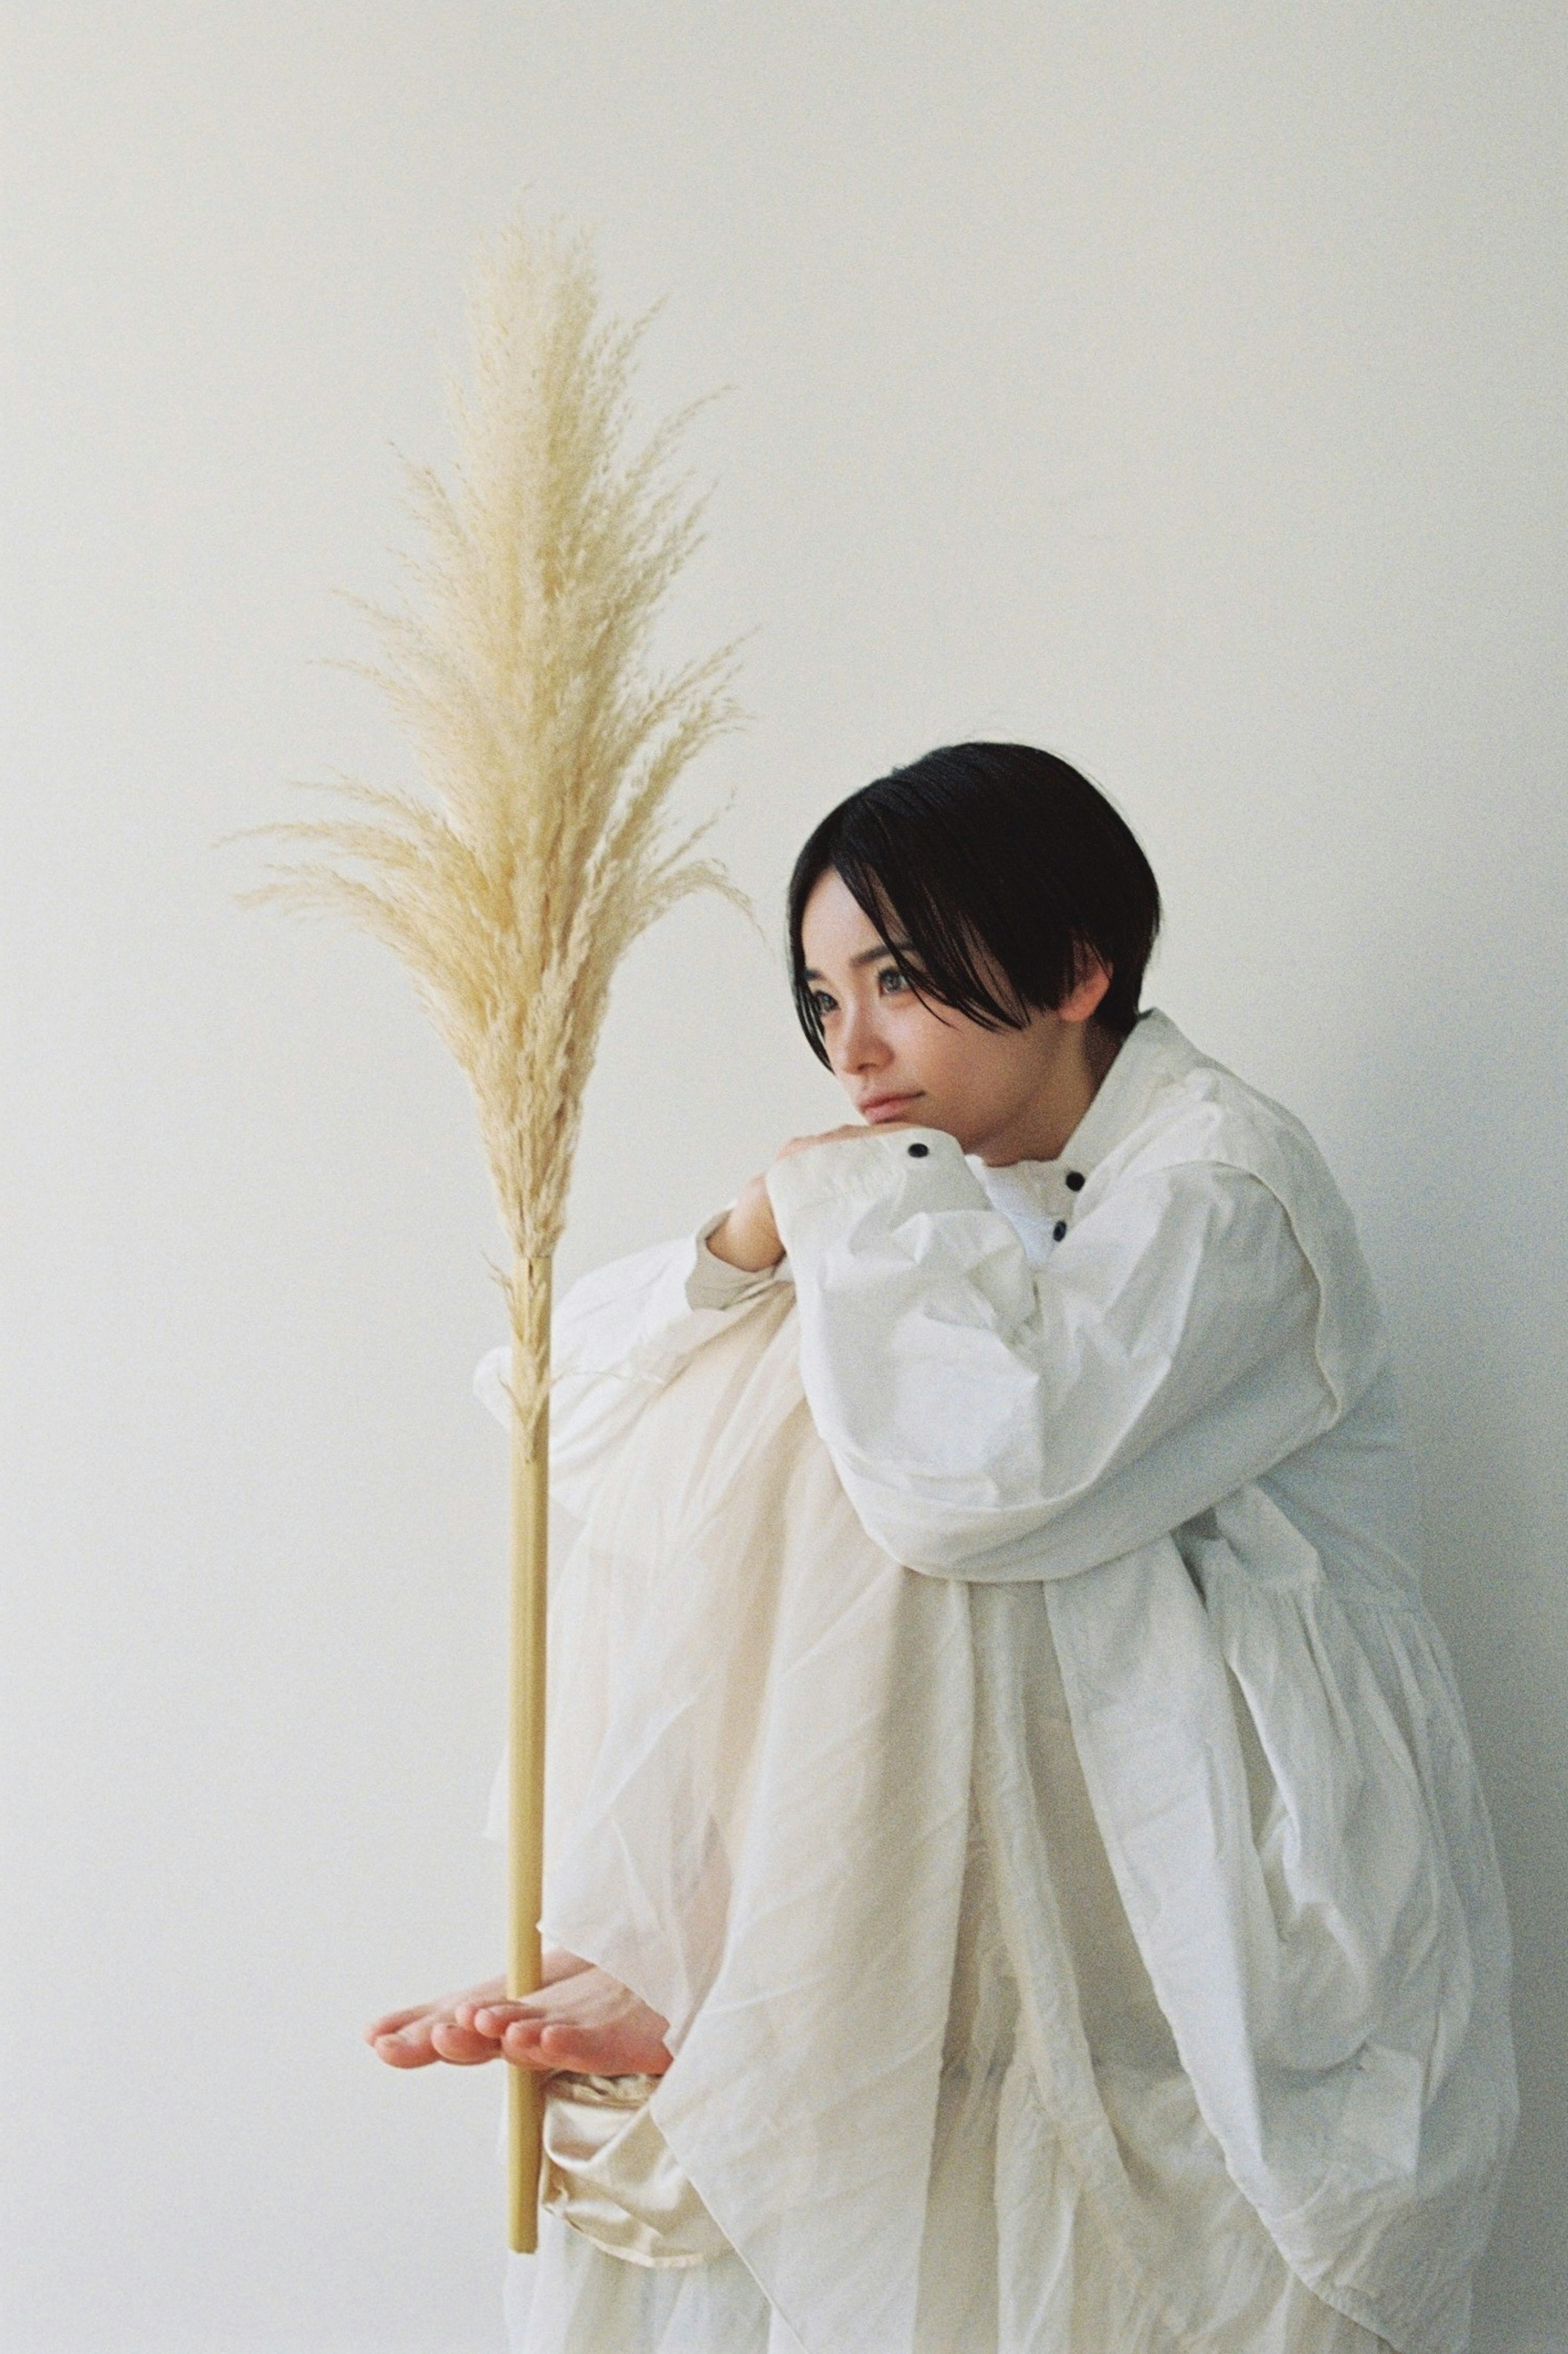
(1017,2258)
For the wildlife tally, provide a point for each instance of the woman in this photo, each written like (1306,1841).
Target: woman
(1094,1940)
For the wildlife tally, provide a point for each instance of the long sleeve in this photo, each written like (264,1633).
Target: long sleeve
(617,1334)
(993,1420)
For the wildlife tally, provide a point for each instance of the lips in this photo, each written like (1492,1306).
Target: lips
(884,1107)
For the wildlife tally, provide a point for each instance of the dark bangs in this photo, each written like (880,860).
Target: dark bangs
(988,853)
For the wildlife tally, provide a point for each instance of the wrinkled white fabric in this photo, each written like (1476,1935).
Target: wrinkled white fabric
(1136,1432)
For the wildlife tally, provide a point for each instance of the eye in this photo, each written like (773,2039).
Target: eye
(822,1002)
(893,982)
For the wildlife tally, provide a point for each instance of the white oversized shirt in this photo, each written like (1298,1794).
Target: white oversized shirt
(1144,1389)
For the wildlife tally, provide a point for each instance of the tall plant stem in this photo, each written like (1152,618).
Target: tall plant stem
(525,1833)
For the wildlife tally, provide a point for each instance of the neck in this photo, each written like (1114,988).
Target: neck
(1044,1125)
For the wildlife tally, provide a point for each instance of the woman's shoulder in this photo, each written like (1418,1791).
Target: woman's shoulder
(1194,1108)
(1196,1115)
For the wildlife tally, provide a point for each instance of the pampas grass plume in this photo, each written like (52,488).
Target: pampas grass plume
(521,669)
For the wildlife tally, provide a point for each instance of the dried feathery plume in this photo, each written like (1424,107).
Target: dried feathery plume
(523,675)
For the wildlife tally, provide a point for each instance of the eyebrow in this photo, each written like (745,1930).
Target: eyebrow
(867,956)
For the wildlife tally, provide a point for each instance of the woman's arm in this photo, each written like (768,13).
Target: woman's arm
(992,1420)
(619,1333)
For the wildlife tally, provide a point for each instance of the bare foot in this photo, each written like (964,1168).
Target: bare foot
(588,2022)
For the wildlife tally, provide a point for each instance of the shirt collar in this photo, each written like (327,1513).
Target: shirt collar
(1152,1054)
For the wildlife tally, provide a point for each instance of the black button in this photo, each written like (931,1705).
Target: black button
(1058,1230)
(1075,1181)
(918,1151)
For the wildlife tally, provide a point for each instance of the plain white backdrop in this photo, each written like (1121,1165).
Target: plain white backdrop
(1179,386)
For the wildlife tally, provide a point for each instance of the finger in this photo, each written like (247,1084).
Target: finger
(405,2051)
(521,2042)
(580,2048)
(828,1136)
(458,2046)
(395,2022)
(530,2056)
(495,2018)
(467,2014)
(523,2033)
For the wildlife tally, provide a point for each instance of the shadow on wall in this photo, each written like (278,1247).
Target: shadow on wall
(1460,1106)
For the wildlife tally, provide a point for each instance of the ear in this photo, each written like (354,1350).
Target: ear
(1088,991)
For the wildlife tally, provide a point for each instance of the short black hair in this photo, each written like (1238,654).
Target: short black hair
(998,848)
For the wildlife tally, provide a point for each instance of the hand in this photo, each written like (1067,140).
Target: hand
(587,2022)
(749,1236)
(444,2029)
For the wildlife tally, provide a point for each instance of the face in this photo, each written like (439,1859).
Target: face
(1005,1094)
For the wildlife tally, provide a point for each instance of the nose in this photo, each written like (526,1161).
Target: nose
(860,1044)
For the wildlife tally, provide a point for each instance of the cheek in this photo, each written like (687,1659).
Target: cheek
(940,1050)
(968,1064)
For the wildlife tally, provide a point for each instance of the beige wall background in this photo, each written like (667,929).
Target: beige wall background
(1177,387)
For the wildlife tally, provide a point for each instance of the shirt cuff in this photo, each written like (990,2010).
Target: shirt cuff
(910,1170)
(712,1282)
